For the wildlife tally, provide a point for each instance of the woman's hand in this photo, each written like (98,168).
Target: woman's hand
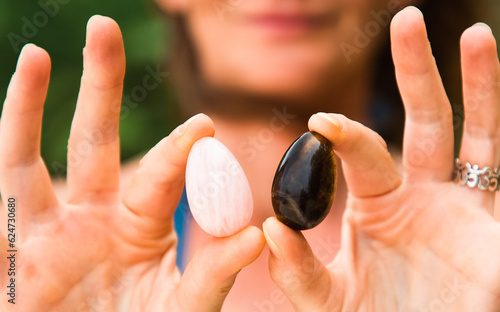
(99,252)
(416,242)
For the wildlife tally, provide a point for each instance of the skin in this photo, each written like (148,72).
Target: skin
(403,236)
(305,68)
(300,72)
(409,241)
(98,250)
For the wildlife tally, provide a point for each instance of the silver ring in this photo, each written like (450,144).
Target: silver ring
(485,178)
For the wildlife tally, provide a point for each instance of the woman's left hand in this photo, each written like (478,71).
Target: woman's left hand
(420,241)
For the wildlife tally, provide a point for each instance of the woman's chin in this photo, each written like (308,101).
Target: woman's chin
(273,84)
(288,90)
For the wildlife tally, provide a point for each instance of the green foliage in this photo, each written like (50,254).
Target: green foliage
(63,36)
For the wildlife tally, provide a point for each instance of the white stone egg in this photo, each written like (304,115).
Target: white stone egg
(217,189)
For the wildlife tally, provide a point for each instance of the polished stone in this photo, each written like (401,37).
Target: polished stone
(217,189)
(304,184)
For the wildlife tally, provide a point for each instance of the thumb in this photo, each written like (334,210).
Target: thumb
(211,273)
(305,281)
(366,163)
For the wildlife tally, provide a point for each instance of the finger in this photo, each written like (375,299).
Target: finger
(367,165)
(304,280)
(211,273)
(23,174)
(4,244)
(156,188)
(4,230)
(480,74)
(428,141)
(93,151)
(481,87)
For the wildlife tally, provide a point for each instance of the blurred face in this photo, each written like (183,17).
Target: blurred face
(285,48)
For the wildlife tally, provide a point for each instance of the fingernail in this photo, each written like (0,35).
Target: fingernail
(484,25)
(182,128)
(272,245)
(333,121)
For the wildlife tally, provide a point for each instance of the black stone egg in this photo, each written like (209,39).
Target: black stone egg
(304,184)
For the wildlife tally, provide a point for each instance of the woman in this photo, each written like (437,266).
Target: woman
(402,236)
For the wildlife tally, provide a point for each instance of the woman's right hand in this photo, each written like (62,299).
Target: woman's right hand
(97,251)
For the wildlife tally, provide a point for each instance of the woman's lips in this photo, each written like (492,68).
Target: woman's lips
(286,25)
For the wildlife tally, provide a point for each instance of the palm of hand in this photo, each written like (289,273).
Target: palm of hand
(74,246)
(428,260)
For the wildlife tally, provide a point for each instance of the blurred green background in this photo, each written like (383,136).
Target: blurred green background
(63,36)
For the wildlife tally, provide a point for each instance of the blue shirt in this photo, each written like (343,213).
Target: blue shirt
(182,221)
